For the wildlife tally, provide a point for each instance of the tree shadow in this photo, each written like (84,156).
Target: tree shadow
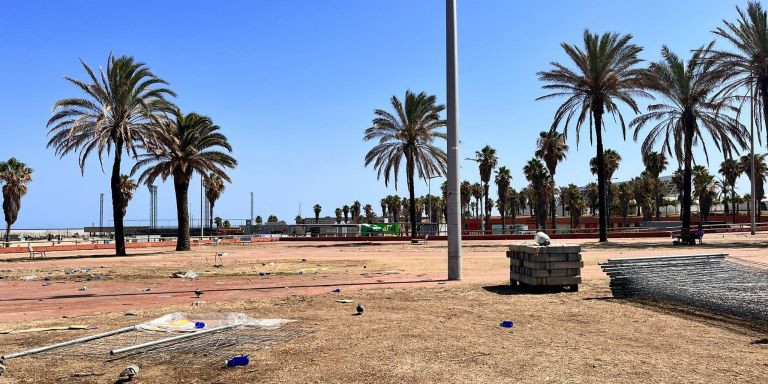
(507,290)
(76,257)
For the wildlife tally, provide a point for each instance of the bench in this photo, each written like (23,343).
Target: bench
(245,240)
(32,252)
(420,241)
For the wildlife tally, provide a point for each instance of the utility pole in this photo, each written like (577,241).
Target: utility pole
(101,214)
(752,153)
(202,197)
(251,208)
(452,79)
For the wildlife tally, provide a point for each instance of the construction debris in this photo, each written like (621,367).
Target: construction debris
(128,373)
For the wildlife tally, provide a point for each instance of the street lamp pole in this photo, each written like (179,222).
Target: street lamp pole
(752,153)
(452,79)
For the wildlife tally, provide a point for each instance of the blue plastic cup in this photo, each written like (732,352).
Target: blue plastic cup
(238,361)
(506,324)
(199,325)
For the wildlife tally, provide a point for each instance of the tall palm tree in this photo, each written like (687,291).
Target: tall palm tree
(188,144)
(551,148)
(345,209)
(679,181)
(259,220)
(465,191)
(593,196)
(611,162)
(541,185)
(503,178)
(317,209)
(624,196)
(477,193)
(704,188)
(693,108)
(655,163)
(214,188)
(368,209)
(410,133)
(605,75)
(486,160)
(761,170)
(575,201)
(513,203)
(127,186)
(14,176)
(122,108)
(338,215)
(356,207)
(730,169)
(383,203)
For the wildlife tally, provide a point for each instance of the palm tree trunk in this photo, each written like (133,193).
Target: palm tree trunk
(485,209)
(733,201)
(181,186)
(686,208)
(411,194)
(603,223)
(7,234)
(210,216)
(117,201)
(552,208)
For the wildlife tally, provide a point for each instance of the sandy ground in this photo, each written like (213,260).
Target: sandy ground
(417,327)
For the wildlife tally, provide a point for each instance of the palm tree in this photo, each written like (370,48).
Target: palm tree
(592,196)
(611,162)
(317,208)
(338,215)
(703,189)
(272,219)
(513,203)
(188,144)
(731,170)
(477,193)
(655,163)
(214,188)
(368,209)
(624,196)
(465,191)
(383,203)
(345,209)
(693,109)
(643,188)
(503,178)
(551,148)
(259,220)
(356,211)
(410,133)
(127,186)
(486,160)
(217,220)
(745,67)
(541,185)
(122,109)
(760,175)
(14,175)
(573,198)
(606,74)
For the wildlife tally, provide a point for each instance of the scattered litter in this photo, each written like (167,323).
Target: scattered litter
(238,361)
(130,313)
(47,278)
(360,309)
(262,273)
(541,238)
(336,290)
(345,301)
(199,303)
(199,325)
(46,284)
(128,373)
(506,324)
(185,275)
(28,278)
(147,289)
(219,283)
(83,288)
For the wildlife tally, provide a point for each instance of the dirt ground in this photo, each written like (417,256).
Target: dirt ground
(417,327)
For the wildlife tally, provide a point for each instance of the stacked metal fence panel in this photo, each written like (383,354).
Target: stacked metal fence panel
(550,265)
(706,281)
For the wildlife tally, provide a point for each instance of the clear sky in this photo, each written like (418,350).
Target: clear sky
(293,84)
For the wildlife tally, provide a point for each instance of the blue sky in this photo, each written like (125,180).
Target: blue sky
(293,85)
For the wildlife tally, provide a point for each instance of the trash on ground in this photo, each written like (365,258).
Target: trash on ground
(182,322)
(336,290)
(506,324)
(238,361)
(199,325)
(345,301)
(83,288)
(28,278)
(360,309)
(129,373)
(130,313)
(199,303)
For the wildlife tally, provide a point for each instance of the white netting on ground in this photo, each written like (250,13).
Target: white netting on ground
(191,322)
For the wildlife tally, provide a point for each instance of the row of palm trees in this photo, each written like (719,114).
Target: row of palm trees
(125,109)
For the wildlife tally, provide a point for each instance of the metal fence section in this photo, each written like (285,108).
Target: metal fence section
(711,282)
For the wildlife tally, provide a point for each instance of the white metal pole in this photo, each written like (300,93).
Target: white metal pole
(752,153)
(202,196)
(65,343)
(174,338)
(452,79)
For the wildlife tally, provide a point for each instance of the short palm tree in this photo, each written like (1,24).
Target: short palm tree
(503,178)
(123,107)
(477,193)
(513,203)
(730,169)
(574,200)
(605,75)
(551,148)
(409,133)
(592,196)
(465,190)
(317,209)
(127,186)
(337,212)
(214,188)
(259,220)
(541,185)
(486,160)
(383,204)
(356,207)
(345,209)
(655,163)
(611,162)
(188,144)
(14,176)
(693,109)
(624,196)
(369,215)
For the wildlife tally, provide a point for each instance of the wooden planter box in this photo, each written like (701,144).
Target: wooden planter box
(551,265)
